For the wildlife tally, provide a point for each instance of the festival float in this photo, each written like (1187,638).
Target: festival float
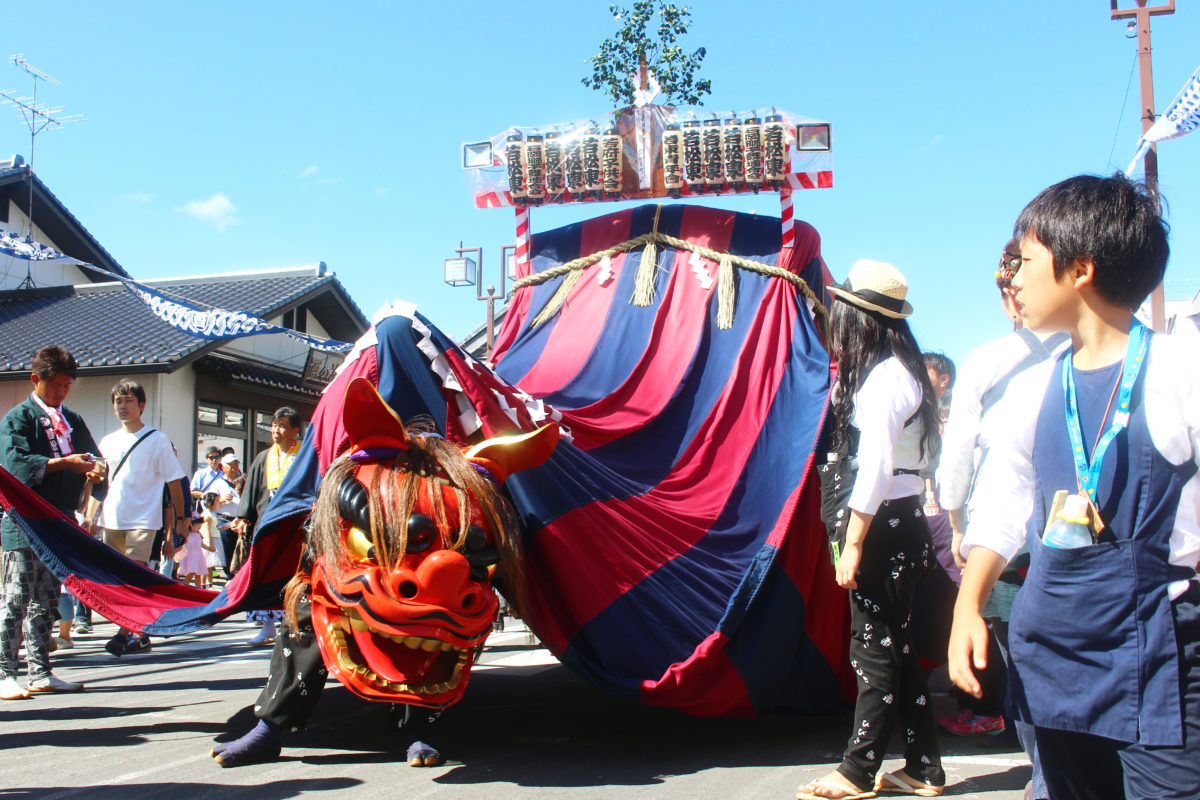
(670,549)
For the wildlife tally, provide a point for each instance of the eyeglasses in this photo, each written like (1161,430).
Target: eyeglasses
(214,456)
(1010,265)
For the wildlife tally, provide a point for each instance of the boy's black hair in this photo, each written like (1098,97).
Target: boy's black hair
(129,386)
(1112,221)
(941,364)
(52,361)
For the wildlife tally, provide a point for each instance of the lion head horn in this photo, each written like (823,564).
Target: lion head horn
(504,455)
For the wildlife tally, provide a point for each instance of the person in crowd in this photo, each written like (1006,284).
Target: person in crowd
(192,559)
(49,448)
(70,607)
(884,413)
(204,478)
(942,376)
(1104,637)
(231,472)
(1187,328)
(976,419)
(166,564)
(212,527)
(233,469)
(228,502)
(265,476)
(71,614)
(142,460)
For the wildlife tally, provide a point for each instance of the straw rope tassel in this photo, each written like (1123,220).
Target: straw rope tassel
(643,290)
(559,298)
(726,292)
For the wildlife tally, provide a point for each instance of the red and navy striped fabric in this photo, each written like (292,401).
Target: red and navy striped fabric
(673,545)
(676,554)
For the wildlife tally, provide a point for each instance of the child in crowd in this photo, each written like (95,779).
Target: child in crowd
(210,524)
(193,566)
(1105,638)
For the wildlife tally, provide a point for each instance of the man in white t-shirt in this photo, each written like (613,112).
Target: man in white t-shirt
(139,460)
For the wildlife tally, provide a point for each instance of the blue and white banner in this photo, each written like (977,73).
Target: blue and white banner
(204,323)
(1181,118)
(17,246)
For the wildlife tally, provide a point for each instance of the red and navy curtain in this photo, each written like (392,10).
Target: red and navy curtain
(673,545)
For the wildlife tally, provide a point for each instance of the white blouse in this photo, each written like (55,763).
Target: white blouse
(888,398)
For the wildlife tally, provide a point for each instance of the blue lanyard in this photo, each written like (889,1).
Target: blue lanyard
(1135,354)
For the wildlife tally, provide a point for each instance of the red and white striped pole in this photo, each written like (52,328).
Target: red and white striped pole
(785,213)
(523,242)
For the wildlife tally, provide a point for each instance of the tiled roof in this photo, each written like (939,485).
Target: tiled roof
(107,328)
(234,371)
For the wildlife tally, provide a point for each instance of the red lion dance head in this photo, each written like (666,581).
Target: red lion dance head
(407,535)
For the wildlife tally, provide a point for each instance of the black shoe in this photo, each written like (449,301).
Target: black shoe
(116,645)
(138,645)
(1005,740)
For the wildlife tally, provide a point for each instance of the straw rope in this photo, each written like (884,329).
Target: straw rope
(726,291)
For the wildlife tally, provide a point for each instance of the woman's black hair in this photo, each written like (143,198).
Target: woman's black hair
(860,339)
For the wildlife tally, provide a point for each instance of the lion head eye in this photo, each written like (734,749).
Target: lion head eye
(358,544)
(422,533)
(353,503)
(476,538)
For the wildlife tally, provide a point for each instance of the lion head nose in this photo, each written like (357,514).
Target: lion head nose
(443,578)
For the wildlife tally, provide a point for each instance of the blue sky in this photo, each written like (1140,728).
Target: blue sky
(230,136)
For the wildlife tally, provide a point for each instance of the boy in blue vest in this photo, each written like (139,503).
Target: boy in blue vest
(1105,638)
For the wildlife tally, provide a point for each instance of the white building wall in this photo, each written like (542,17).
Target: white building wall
(169,405)
(12,270)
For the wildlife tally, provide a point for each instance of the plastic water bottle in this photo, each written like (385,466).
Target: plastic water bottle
(932,509)
(1071,528)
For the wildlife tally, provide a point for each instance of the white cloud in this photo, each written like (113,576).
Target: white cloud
(216,209)
(308,171)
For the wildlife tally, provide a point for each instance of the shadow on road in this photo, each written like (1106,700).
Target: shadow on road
(272,790)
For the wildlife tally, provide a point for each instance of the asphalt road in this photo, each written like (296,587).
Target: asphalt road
(528,728)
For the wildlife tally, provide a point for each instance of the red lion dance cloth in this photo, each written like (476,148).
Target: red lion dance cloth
(672,546)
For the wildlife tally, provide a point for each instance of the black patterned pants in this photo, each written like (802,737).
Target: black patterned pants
(897,552)
(297,674)
(30,601)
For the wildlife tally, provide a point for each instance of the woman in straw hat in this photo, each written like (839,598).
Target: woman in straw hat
(885,414)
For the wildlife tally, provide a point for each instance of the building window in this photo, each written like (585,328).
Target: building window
(208,415)
(296,319)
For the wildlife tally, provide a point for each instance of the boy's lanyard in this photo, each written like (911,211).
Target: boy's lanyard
(1087,474)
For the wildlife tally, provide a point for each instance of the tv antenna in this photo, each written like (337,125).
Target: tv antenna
(38,117)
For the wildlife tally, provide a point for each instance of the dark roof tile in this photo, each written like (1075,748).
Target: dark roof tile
(104,325)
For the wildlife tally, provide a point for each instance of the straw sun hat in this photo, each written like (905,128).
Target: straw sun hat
(875,286)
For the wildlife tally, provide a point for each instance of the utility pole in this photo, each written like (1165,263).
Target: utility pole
(1141,19)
